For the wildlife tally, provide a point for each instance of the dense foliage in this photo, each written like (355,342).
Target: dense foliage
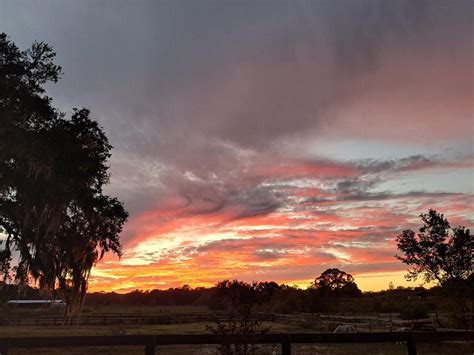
(55,220)
(437,252)
(336,282)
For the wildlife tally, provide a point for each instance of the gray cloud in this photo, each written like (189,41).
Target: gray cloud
(206,87)
(136,63)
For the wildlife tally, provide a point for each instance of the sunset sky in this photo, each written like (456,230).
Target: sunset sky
(267,140)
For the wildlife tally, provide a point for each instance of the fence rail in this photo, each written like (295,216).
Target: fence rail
(117,318)
(317,321)
(150,341)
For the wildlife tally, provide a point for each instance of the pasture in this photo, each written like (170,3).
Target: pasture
(282,325)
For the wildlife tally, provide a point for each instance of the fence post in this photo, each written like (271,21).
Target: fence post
(286,346)
(150,345)
(411,344)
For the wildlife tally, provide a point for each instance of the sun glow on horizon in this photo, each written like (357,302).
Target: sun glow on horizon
(367,282)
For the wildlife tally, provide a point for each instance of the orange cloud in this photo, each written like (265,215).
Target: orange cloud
(316,224)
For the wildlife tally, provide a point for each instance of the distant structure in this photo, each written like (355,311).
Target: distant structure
(48,303)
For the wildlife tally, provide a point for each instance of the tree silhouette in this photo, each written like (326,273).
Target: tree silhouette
(52,171)
(437,252)
(336,282)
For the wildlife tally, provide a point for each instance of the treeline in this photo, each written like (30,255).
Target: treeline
(279,299)
(182,296)
(332,292)
(246,298)
(321,296)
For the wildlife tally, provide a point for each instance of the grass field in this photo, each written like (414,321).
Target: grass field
(197,328)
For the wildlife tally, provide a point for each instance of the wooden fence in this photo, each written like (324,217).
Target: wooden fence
(149,342)
(317,321)
(130,318)
(385,322)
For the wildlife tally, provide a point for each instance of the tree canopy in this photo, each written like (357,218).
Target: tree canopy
(53,213)
(336,282)
(437,252)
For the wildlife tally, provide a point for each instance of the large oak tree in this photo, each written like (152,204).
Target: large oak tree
(335,282)
(55,220)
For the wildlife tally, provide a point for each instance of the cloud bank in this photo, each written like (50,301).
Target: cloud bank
(267,140)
